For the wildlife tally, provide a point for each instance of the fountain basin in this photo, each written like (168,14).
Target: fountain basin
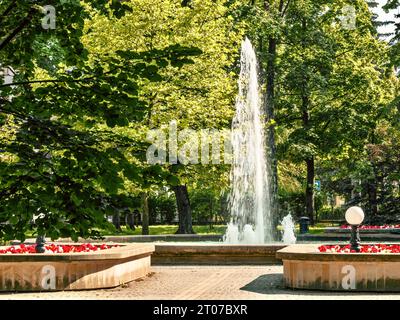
(75,271)
(179,251)
(305,267)
(215,254)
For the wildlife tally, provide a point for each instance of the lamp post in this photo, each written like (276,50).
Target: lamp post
(40,242)
(354,217)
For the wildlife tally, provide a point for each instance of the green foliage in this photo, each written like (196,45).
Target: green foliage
(208,207)
(324,69)
(201,95)
(332,86)
(292,202)
(162,207)
(68,156)
(73,124)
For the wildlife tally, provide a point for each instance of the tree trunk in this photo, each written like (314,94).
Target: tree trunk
(145,217)
(116,220)
(310,189)
(310,201)
(130,220)
(373,197)
(270,113)
(184,210)
(310,196)
(212,213)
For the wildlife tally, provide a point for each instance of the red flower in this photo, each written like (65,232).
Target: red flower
(365,227)
(377,248)
(53,248)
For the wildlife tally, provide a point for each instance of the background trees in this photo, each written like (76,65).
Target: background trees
(66,154)
(332,83)
(201,95)
(74,123)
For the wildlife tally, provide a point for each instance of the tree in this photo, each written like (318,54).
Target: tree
(395,42)
(66,155)
(146,214)
(202,94)
(328,67)
(265,20)
(316,69)
(273,9)
(393,5)
(184,209)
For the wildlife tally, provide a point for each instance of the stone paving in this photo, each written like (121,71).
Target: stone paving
(203,282)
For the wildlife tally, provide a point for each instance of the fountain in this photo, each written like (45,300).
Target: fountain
(249,234)
(288,226)
(249,199)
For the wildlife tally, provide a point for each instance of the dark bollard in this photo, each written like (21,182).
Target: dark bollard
(304,223)
(40,243)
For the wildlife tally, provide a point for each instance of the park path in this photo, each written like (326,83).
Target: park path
(203,282)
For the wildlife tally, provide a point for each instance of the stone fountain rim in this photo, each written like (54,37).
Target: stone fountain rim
(123,251)
(310,252)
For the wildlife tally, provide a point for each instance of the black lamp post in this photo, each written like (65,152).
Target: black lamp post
(354,217)
(40,242)
(355,239)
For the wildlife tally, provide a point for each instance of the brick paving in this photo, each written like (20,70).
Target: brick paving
(203,282)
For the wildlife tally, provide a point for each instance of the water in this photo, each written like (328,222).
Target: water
(249,199)
(288,226)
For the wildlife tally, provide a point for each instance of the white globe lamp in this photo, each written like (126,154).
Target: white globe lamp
(354,217)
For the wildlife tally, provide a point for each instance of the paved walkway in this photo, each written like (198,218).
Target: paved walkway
(204,282)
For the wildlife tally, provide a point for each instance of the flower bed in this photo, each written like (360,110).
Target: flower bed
(365,227)
(53,248)
(376,248)
(336,268)
(72,266)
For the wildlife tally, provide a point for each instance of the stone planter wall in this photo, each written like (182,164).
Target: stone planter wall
(306,268)
(215,254)
(74,271)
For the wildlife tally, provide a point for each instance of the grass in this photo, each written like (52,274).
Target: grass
(166,229)
(201,230)
(318,228)
(154,230)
